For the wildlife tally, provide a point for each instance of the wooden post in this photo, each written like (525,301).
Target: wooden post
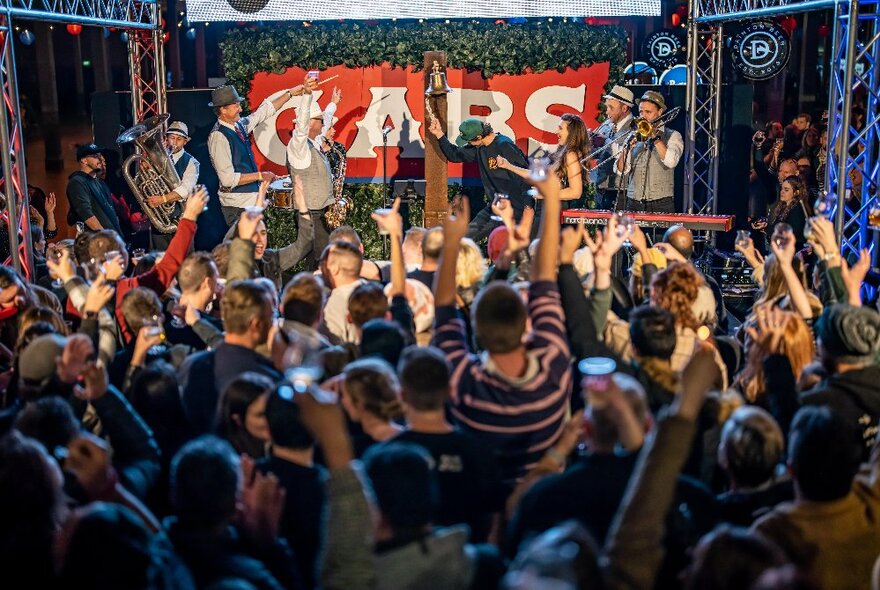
(436,168)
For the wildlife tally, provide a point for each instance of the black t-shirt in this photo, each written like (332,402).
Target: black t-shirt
(423,276)
(303,507)
(468,479)
(495,180)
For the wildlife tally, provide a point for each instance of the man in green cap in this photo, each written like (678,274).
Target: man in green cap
(478,142)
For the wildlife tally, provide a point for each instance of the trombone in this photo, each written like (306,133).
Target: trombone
(639,128)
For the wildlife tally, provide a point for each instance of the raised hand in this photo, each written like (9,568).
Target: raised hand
(571,239)
(262,502)
(455,225)
(195,204)
(392,222)
(784,253)
(823,236)
(247,225)
(670,253)
(61,266)
(74,358)
(768,331)
(144,342)
(51,203)
(855,275)
(100,293)
(337,95)
(261,193)
(435,129)
(114,267)
(94,383)
(88,459)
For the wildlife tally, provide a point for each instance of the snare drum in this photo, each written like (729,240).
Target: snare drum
(280,194)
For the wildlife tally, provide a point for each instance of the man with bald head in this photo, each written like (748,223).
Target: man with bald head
(341,270)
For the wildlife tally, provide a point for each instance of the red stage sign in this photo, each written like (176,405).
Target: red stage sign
(525,107)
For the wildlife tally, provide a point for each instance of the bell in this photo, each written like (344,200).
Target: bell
(437,85)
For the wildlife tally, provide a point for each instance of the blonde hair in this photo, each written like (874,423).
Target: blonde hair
(797,345)
(372,384)
(471,266)
(774,281)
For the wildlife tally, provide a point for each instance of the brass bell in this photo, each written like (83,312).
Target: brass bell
(437,85)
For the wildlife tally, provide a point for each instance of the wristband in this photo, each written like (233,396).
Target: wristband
(830,256)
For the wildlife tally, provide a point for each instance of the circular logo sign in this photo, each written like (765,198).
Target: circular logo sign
(662,49)
(760,50)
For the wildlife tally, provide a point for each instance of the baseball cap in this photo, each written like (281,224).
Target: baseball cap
(88,149)
(469,130)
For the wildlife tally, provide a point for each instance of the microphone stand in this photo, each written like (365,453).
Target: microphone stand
(385,187)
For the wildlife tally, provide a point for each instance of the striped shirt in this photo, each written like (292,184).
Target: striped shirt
(519,417)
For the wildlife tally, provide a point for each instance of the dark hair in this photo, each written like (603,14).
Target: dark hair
(731,558)
(146,263)
(204,482)
(383,339)
(367,302)
(404,485)
(37,234)
(652,331)
(81,247)
(824,453)
(155,394)
(49,420)
(499,318)
(564,552)
(425,375)
(373,384)
(285,426)
(109,548)
(303,299)
(242,302)
(577,143)
(752,446)
(30,496)
(103,241)
(238,396)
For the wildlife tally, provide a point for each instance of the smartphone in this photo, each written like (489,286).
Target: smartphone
(313,74)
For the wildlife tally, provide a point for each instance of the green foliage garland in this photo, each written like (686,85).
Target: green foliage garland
(484,46)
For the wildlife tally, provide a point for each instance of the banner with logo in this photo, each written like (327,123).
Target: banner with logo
(524,107)
(760,50)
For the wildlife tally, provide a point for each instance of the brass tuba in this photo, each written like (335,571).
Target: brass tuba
(150,171)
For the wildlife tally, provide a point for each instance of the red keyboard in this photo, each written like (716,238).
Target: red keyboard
(653,220)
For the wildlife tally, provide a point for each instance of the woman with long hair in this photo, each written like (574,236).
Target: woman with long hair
(792,208)
(574,144)
(776,287)
(470,268)
(241,419)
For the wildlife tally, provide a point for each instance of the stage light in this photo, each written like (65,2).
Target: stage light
(74,29)
(26,37)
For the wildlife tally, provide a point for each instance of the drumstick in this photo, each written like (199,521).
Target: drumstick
(327,79)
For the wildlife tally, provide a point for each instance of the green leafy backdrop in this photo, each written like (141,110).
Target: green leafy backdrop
(475,45)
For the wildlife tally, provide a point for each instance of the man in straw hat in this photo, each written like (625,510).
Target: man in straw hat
(612,135)
(310,169)
(187,168)
(652,161)
(230,148)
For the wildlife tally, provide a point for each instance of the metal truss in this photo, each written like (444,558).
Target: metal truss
(721,10)
(704,115)
(129,14)
(141,18)
(852,162)
(146,65)
(12,157)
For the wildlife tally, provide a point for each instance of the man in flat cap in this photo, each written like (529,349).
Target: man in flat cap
(230,148)
(187,168)
(88,194)
(849,339)
(612,135)
(651,162)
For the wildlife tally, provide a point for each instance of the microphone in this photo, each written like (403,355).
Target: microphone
(387,130)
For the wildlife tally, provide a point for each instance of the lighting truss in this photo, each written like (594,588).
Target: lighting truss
(852,163)
(140,18)
(129,14)
(704,113)
(721,10)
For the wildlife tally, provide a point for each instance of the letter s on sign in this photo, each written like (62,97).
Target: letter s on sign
(541,100)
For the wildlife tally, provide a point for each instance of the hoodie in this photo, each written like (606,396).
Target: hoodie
(854,394)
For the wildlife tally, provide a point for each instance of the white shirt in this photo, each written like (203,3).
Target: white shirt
(221,157)
(335,322)
(190,175)
(615,147)
(299,156)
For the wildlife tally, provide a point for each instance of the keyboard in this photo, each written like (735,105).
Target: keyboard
(653,220)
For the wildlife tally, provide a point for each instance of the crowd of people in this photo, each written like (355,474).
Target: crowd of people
(516,417)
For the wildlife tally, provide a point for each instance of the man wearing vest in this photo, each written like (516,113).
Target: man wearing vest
(187,168)
(231,151)
(611,135)
(652,162)
(309,163)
